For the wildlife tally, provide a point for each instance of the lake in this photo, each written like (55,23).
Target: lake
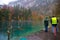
(19,29)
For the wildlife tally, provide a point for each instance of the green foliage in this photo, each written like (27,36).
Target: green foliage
(21,12)
(27,13)
(4,13)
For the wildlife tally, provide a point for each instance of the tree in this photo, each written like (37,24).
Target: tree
(16,11)
(5,13)
(27,13)
(22,12)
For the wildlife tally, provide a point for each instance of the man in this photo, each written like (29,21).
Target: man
(46,24)
(54,22)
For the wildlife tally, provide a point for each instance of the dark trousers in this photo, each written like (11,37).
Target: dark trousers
(46,28)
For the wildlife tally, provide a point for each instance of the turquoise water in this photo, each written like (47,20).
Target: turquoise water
(23,38)
(23,29)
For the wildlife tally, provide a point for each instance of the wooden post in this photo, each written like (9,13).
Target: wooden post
(8,34)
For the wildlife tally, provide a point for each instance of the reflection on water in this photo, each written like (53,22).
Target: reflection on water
(18,28)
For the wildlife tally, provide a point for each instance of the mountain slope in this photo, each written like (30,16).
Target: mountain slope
(43,6)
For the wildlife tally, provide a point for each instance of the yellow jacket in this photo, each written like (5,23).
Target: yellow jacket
(54,20)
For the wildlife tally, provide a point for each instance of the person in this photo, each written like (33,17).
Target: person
(54,22)
(46,24)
